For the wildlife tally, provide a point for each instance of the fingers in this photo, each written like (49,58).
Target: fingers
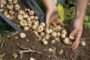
(77,40)
(48,16)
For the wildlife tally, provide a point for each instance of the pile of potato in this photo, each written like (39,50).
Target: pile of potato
(29,21)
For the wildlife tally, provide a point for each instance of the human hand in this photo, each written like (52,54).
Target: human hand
(76,28)
(52,16)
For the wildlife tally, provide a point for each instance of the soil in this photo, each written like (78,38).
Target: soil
(15,48)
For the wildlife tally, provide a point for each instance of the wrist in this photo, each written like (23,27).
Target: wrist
(79,18)
(51,8)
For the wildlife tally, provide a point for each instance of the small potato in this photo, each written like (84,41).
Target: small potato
(53,41)
(29,24)
(58,34)
(58,28)
(36,22)
(64,32)
(40,29)
(42,24)
(22,35)
(23,23)
(63,35)
(36,17)
(72,38)
(28,19)
(45,42)
(31,58)
(17,7)
(83,43)
(8,16)
(32,17)
(34,27)
(21,12)
(31,12)
(11,12)
(36,33)
(48,31)
(26,28)
(57,39)
(67,41)
(10,7)
(54,34)
(50,49)
(15,1)
(25,16)
(10,0)
(20,17)
(47,36)
(42,34)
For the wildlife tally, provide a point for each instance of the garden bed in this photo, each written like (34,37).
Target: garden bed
(15,48)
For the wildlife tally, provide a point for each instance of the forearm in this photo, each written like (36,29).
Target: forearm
(81,6)
(49,4)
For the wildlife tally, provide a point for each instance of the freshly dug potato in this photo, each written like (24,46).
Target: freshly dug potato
(23,23)
(67,41)
(26,28)
(22,35)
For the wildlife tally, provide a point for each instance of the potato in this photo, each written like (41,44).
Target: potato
(71,37)
(20,17)
(25,16)
(36,17)
(10,0)
(48,31)
(36,33)
(63,35)
(21,12)
(50,49)
(42,34)
(31,12)
(26,28)
(34,27)
(45,42)
(67,41)
(83,43)
(22,35)
(47,36)
(54,34)
(10,7)
(23,23)
(40,29)
(32,17)
(36,22)
(31,58)
(15,1)
(17,7)
(42,24)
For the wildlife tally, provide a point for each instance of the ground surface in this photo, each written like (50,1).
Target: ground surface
(15,48)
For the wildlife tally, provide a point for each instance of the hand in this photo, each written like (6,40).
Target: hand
(52,16)
(76,28)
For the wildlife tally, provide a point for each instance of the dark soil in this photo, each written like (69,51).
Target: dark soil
(15,48)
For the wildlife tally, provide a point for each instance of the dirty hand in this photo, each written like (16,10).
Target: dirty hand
(76,28)
(52,16)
